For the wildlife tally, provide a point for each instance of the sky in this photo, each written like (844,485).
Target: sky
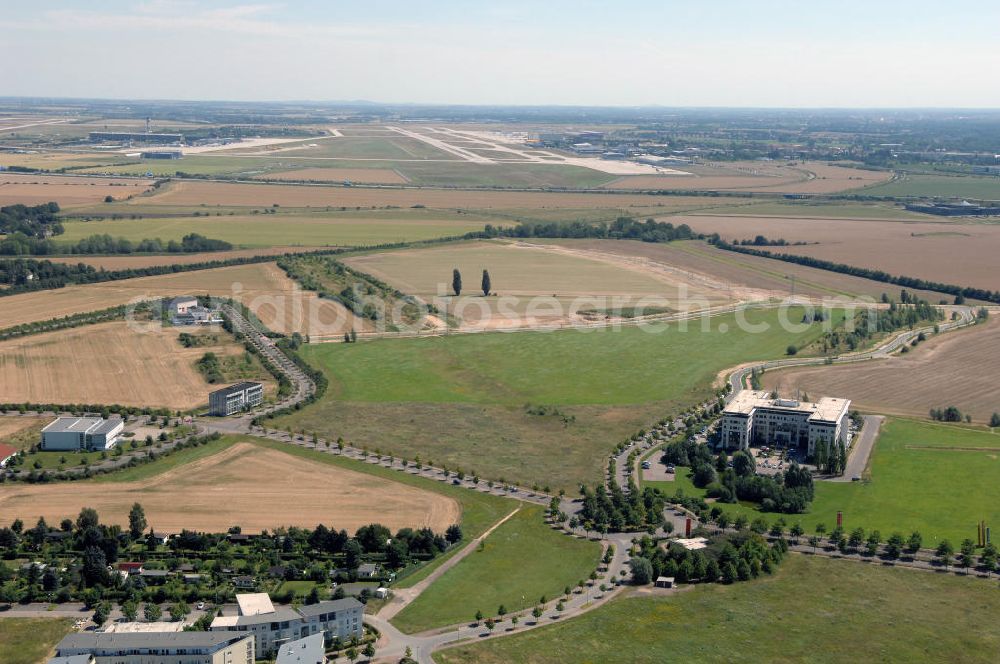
(729,53)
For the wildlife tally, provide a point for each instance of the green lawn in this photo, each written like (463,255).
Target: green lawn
(460,400)
(251,231)
(950,186)
(812,610)
(522,558)
(937,479)
(30,640)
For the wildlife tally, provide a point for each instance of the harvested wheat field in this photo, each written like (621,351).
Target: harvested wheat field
(952,252)
(182,193)
(808,178)
(953,369)
(32,189)
(131,262)
(360,175)
(277,300)
(740,276)
(106,363)
(534,283)
(247,485)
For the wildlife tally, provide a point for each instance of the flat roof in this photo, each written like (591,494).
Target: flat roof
(253,604)
(827,409)
(310,610)
(238,387)
(308,649)
(98,640)
(82,425)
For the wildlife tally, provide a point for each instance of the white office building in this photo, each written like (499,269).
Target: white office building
(78,434)
(235,399)
(755,418)
(274,627)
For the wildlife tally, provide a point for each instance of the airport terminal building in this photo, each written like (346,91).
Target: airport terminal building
(755,418)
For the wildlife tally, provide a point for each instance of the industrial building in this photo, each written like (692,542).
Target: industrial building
(161,154)
(159,647)
(92,434)
(273,627)
(186,310)
(960,209)
(235,398)
(134,137)
(755,418)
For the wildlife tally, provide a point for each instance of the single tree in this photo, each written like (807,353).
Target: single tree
(915,542)
(487,286)
(369,651)
(456,281)
(968,554)
(995,420)
(479,617)
(944,552)
(536,613)
(101,614)
(490,624)
(130,610)
(352,653)
(136,521)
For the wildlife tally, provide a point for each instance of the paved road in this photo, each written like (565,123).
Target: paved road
(858,458)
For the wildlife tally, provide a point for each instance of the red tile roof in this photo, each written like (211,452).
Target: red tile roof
(7,451)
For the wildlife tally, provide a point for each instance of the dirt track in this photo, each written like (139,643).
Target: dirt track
(246,485)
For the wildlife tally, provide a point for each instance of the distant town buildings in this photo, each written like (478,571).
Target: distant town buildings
(161,154)
(756,418)
(134,137)
(77,434)
(235,398)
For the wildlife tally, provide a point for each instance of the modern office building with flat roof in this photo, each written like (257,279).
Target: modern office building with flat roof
(235,398)
(756,418)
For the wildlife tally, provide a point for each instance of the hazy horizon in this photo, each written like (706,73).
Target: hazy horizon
(770,55)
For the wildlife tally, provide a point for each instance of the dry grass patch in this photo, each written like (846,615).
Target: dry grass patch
(245,484)
(277,300)
(106,363)
(809,178)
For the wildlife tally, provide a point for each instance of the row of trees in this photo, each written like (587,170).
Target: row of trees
(19,244)
(623,228)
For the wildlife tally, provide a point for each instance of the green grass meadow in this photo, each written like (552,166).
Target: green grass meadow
(934,478)
(30,640)
(811,610)
(524,557)
(252,231)
(946,186)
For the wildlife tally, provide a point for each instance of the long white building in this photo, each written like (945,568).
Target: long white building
(272,627)
(81,434)
(755,418)
(158,648)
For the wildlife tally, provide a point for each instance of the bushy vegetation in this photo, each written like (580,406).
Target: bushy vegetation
(37,221)
(74,559)
(19,244)
(735,480)
(615,510)
(741,556)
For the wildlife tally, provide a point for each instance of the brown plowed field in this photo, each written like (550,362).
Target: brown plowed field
(278,301)
(257,195)
(106,363)
(246,485)
(32,189)
(954,252)
(955,369)
(361,175)
(130,262)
